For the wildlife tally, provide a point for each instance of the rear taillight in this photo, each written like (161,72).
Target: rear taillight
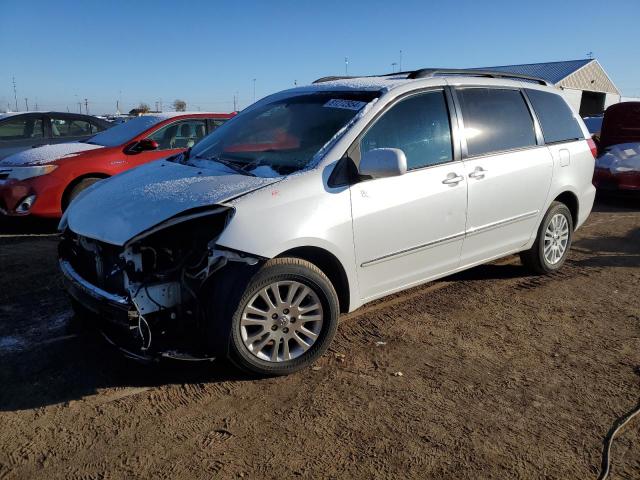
(593,147)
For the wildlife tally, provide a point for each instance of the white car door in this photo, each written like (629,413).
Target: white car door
(508,168)
(410,228)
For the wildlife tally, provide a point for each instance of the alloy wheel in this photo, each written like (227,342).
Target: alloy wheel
(556,239)
(281,321)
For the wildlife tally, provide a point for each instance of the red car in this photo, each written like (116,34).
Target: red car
(42,181)
(618,162)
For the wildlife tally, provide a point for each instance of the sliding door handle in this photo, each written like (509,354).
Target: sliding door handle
(453,179)
(478,173)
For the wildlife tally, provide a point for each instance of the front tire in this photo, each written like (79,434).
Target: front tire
(551,248)
(75,191)
(285,320)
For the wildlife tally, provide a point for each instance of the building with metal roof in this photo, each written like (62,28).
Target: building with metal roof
(585,83)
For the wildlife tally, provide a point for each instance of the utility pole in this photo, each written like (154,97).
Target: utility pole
(79,107)
(157,107)
(254,90)
(26,103)
(15,95)
(400,61)
(346,66)
(235,105)
(393,67)
(86,106)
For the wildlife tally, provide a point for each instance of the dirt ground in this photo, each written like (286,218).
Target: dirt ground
(504,375)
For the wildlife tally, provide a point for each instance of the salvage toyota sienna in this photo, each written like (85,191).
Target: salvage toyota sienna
(319,199)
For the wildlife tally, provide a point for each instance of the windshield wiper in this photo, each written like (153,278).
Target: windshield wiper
(232,165)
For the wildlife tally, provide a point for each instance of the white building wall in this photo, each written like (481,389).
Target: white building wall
(573,97)
(610,99)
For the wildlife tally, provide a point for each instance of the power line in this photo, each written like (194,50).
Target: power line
(15,95)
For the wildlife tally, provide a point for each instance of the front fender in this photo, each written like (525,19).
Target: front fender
(297,212)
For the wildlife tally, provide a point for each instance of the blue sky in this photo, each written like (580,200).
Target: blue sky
(206,51)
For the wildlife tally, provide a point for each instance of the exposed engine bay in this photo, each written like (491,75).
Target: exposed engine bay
(162,281)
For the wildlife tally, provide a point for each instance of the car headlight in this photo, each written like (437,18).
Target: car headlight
(22,173)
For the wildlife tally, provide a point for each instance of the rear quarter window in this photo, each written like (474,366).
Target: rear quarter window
(556,118)
(495,120)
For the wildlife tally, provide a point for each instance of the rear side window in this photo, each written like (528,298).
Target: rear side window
(419,126)
(183,134)
(495,120)
(556,118)
(21,129)
(67,127)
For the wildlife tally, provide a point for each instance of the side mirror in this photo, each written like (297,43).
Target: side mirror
(144,145)
(383,162)
(147,144)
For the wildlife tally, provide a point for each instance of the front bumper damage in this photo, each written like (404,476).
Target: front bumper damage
(149,298)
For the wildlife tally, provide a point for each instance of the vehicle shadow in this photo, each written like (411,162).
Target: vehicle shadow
(17,226)
(609,250)
(616,202)
(77,366)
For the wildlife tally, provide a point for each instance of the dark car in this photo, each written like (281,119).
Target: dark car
(618,163)
(20,131)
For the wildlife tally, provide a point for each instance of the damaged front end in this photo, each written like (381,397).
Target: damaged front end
(151,294)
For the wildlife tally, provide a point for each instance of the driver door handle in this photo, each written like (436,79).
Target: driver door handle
(453,179)
(478,173)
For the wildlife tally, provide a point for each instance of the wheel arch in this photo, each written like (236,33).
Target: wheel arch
(330,266)
(570,199)
(67,191)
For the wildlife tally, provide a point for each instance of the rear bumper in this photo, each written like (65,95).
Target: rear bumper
(603,179)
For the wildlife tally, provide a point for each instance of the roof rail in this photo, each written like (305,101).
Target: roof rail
(332,78)
(433,72)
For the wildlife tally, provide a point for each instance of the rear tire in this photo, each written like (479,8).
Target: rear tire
(298,321)
(553,241)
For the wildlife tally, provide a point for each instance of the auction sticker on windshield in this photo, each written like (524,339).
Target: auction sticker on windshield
(346,104)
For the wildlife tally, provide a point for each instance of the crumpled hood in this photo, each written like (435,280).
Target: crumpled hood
(47,154)
(122,207)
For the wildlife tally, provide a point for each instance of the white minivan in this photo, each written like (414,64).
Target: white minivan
(319,199)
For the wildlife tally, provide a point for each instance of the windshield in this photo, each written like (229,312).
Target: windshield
(124,132)
(280,137)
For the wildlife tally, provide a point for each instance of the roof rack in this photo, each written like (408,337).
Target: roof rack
(434,72)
